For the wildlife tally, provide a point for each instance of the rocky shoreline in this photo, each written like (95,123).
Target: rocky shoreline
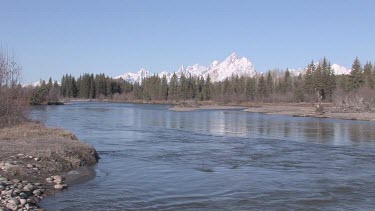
(36,161)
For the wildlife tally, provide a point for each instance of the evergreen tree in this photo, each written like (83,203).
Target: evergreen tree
(173,88)
(164,88)
(287,85)
(269,83)
(250,88)
(207,88)
(262,87)
(356,76)
(309,84)
(183,87)
(368,75)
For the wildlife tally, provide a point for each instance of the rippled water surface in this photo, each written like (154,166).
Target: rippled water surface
(156,159)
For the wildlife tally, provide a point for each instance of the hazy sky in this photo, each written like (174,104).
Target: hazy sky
(50,38)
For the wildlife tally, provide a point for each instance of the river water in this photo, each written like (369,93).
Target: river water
(156,159)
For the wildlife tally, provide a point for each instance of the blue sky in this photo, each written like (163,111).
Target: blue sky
(50,38)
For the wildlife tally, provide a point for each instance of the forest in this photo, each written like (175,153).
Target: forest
(317,83)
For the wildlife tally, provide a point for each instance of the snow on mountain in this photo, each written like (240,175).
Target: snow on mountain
(340,70)
(233,65)
(218,71)
(297,72)
(135,77)
(38,83)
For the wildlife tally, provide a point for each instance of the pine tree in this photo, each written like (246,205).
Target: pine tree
(309,85)
(287,84)
(173,88)
(356,76)
(269,83)
(262,87)
(299,89)
(164,88)
(250,88)
(368,75)
(184,87)
(207,88)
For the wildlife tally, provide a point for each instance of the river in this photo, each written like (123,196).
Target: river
(156,159)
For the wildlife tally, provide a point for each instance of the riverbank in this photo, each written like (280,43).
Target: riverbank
(289,109)
(308,110)
(36,161)
(206,107)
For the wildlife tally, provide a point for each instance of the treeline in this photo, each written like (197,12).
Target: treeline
(89,86)
(318,82)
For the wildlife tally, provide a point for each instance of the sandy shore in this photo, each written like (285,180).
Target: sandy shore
(36,161)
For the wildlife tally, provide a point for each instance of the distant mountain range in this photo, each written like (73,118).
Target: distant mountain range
(218,71)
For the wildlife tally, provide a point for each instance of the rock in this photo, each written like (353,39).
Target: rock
(31,201)
(23,195)
(57,179)
(16,181)
(37,159)
(23,202)
(35,169)
(28,187)
(60,186)
(14,201)
(29,165)
(37,192)
(16,192)
(38,184)
(49,179)
(11,206)
(2,187)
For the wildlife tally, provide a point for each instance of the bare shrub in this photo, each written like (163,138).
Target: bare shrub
(13,106)
(360,101)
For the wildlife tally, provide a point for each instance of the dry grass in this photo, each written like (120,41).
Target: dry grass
(58,150)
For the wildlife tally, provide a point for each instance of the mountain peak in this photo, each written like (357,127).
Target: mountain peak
(233,57)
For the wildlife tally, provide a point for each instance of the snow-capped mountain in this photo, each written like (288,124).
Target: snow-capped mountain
(340,70)
(135,77)
(233,65)
(218,71)
(37,83)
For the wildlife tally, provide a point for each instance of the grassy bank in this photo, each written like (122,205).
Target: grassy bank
(30,153)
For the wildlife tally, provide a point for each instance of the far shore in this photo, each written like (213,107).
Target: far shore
(207,107)
(36,161)
(288,109)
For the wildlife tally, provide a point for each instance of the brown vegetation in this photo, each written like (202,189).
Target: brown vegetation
(13,105)
(57,150)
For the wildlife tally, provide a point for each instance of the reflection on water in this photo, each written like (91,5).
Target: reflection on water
(156,159)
